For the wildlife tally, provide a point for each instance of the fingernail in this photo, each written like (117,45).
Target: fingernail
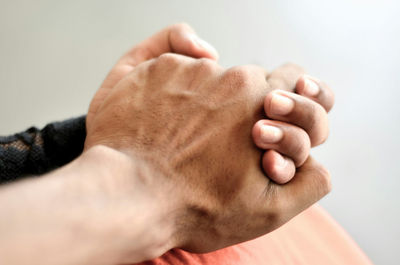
(281,105)
(310,87)
(270,134)
(204,45)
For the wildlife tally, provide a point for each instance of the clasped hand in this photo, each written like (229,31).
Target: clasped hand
(202,132)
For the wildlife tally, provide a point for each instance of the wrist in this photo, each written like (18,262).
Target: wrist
(139,217)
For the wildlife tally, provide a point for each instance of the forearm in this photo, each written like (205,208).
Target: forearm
(78,214)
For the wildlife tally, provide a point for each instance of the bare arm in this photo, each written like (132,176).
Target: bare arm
(81,213)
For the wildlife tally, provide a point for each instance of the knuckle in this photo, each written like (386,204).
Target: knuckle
(140,51)
(239,76)
(206,65)
(168,58)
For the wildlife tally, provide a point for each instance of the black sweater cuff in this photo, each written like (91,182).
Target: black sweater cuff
(35,152)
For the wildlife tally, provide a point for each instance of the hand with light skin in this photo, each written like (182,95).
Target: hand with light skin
(192,129)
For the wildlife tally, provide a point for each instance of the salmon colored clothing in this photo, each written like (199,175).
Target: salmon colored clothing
(313,237)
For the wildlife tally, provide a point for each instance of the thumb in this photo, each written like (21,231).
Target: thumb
(178,38)
(185,41)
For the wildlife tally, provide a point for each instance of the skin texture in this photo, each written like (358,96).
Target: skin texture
(309,112)
(187,114)
(178,38)
(186,173)
(94,210)
(181,39)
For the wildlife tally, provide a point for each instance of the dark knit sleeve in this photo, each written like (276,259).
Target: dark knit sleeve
(35,152)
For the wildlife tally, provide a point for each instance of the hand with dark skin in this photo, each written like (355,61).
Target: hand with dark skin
(181,39)
(192,128)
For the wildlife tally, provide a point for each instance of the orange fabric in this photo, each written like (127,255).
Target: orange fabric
(312,237)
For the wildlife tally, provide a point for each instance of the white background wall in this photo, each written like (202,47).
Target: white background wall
(54,55)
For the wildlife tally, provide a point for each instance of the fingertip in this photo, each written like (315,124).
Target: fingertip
(266,134)
(280,103)
(278,168)
(316,90)
(202,48)
(299,89)
(307,86)
(183,39)
(256,132)
(256,127)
